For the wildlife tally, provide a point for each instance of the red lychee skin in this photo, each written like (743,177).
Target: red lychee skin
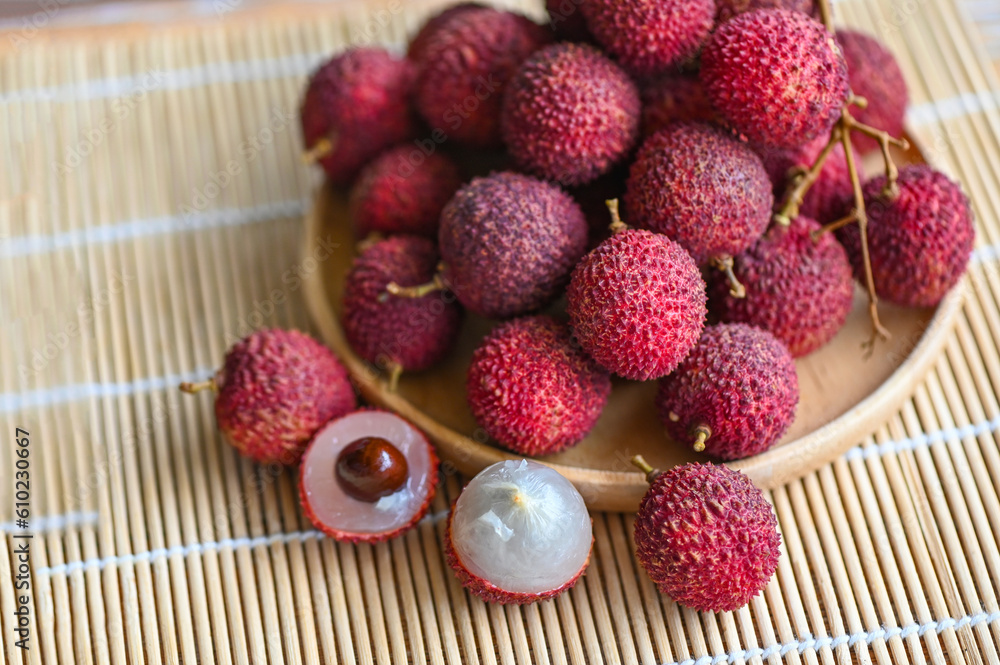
(465,67)
(707,537)
(491,593)
(532,389)
(403,191)
(919,243)
(740,382)
(875,75)
(730,8)
(418,44)
(275,389)
(798,289)
(354,537)
(674,97)
(824,200)
(649,37)
(776,76)
(637,304)
(570,114)
(415,333)
(359,100)
(702,188)
(509,242)
(567,20)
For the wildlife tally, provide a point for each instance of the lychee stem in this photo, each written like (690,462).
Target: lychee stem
(725,264)
(419,291)
(395,371)
(616,220)
(833,226)
(320,149)
(802,181)
(639,462)
(701,433)
(192,388)
(370,240)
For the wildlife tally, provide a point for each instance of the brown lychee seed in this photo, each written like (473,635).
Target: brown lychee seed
(276,388)
(706,536)
(352,505)
(371,468)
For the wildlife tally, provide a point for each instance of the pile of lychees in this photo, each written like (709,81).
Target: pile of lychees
(730,132)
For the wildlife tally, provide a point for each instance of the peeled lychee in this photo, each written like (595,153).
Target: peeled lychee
(776,76)
(637,304)
(356,105)
(275,389)
(730,8)
(392,332)
(509,242)
(532,389)
(674,97)
(464,68)
(403,191)
(650,37)
(706,536)
(919,242)
(875,75)
(518,533)
(733,396)
(701,188)
(824,199)
(367,476)
(570,114)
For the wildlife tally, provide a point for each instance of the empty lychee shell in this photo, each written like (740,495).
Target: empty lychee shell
(518,533)
(339,515)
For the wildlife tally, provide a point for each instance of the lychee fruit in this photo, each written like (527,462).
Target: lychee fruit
(733,396)
(570,114)
(919,242)
(674,97)
(355,106)
(464,68)
(726,9)
(403,191)
(824,199)
(637,304)
(798,288)
(509,242)
(532,389)
(415,51)
(518,533)
(391,332)
(567,20)
(706,536)
(875,75)
(701,188)
(275,389)
(776,76)
(649,37)
(367,476)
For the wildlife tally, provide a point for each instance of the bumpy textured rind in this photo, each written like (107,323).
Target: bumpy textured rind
(637,304)
(566,19)
(726,9)
(740,381)
(797,288)
(825,197)
(418,44)
(509,242)
(490,592)
(360,101)
(416,333)
(355,537)
(464,69)
(532,389)
(403,191)
(650,36)
(674,97)
(276,388)
(919,243)
(875,75)
(701,188)
(776,76)
(707,537)
(570,114)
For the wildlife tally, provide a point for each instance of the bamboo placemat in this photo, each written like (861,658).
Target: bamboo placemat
(151,198)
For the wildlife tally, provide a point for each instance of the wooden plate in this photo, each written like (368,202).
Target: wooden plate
(843,394)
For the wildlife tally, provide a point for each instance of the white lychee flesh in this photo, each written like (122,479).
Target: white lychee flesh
(522,527)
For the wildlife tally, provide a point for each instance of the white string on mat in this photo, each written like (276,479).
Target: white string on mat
(54,522)
(952,107)
(921,440)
